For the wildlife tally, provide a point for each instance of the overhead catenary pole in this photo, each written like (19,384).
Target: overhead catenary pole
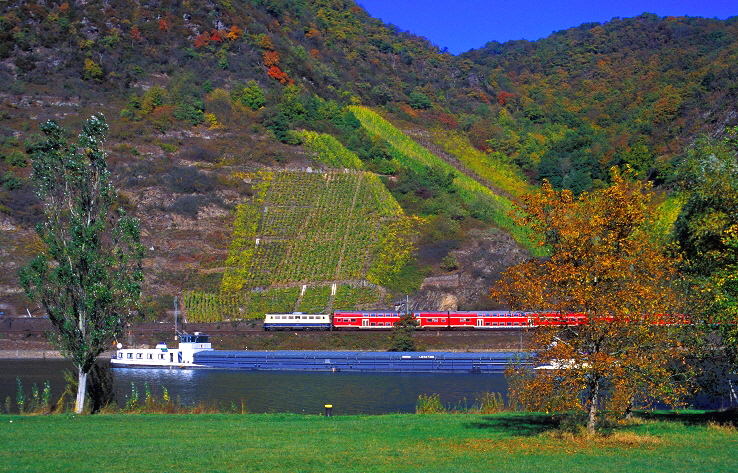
(176,313)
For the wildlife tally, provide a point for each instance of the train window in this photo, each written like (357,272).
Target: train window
(509,324)
(443,320)
(150,356)
(129,355)
(161,356)
(486,324)
(139,355)
(516,324)
(373,324)
(353,320)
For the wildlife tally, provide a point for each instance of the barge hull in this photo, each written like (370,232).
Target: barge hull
(398,362)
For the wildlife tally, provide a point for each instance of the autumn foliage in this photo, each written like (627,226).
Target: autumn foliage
(602,263)
(276,73)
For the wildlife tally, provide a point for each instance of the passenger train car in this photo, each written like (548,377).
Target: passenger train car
(431,320)
(297,321)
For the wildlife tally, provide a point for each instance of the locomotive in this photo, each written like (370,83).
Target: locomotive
(430,320)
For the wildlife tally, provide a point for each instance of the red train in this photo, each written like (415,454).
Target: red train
(432,320)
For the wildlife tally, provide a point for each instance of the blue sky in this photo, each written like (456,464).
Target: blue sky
(465,24)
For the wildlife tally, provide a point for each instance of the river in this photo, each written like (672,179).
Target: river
(267,391)
(280,391)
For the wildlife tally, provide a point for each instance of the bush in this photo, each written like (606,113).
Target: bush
(17,159)
(199,154)
(189,180)
(429,405)
(420,101)
(450,263)
(10,181)
(190,205)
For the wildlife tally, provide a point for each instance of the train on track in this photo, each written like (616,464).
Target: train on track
(433,320)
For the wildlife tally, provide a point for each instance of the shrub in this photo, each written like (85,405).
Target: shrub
(10,181)
(199,154)
(420,101)
(17,159)
(190,205)
(429,404)
(249,95)
(189,180)
(450,263)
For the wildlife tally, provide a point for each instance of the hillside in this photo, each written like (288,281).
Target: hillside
(273,148)
(631,91)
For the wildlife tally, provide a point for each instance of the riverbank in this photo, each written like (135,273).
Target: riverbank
(27,349)
(675,442)
(35,346)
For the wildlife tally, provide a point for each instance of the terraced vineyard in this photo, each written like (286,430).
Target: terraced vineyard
(312,229)
(330,151)
(411,154)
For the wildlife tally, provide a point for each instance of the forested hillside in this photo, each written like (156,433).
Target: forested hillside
(631,91)
(204,99)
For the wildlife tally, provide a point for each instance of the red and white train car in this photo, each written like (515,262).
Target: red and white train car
(488,320)
(453,320)
(547,319)
(432,320)
(364,320)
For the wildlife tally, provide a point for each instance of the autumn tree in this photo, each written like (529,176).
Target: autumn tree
(603,263)
(707,232)
(88,277)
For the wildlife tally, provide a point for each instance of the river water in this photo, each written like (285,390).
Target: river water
(281,391)
(267,391)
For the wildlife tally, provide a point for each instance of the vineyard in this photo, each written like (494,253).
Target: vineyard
(329,151)
(486,165)
(314,230)
(412,155)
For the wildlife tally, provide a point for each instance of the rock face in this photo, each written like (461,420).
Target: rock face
(482,259)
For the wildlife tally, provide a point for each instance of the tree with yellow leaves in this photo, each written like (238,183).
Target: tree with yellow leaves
(604,264)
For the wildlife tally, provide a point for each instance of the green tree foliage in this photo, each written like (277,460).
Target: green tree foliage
(88,278)
(418,100)
(707,230)
(249,95)
(401,338)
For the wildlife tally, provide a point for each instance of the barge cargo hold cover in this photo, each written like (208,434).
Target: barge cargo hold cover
(399,362)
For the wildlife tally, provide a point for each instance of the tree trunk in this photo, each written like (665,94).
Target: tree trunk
(594,397)
(81,391)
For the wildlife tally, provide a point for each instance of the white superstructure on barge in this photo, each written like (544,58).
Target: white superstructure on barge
(162,356)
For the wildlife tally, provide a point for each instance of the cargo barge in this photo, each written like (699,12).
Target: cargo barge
(195,351)
(358,361)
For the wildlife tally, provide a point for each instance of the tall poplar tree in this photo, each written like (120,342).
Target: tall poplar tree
(603,263)
(88,277)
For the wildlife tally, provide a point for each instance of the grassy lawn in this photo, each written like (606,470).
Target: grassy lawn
(507,442)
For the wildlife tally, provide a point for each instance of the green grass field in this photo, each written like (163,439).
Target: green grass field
(510,442)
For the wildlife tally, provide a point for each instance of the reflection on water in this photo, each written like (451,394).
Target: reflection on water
(270,391)
(280,391)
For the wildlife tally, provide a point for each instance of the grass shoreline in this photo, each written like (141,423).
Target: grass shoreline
(675,442)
